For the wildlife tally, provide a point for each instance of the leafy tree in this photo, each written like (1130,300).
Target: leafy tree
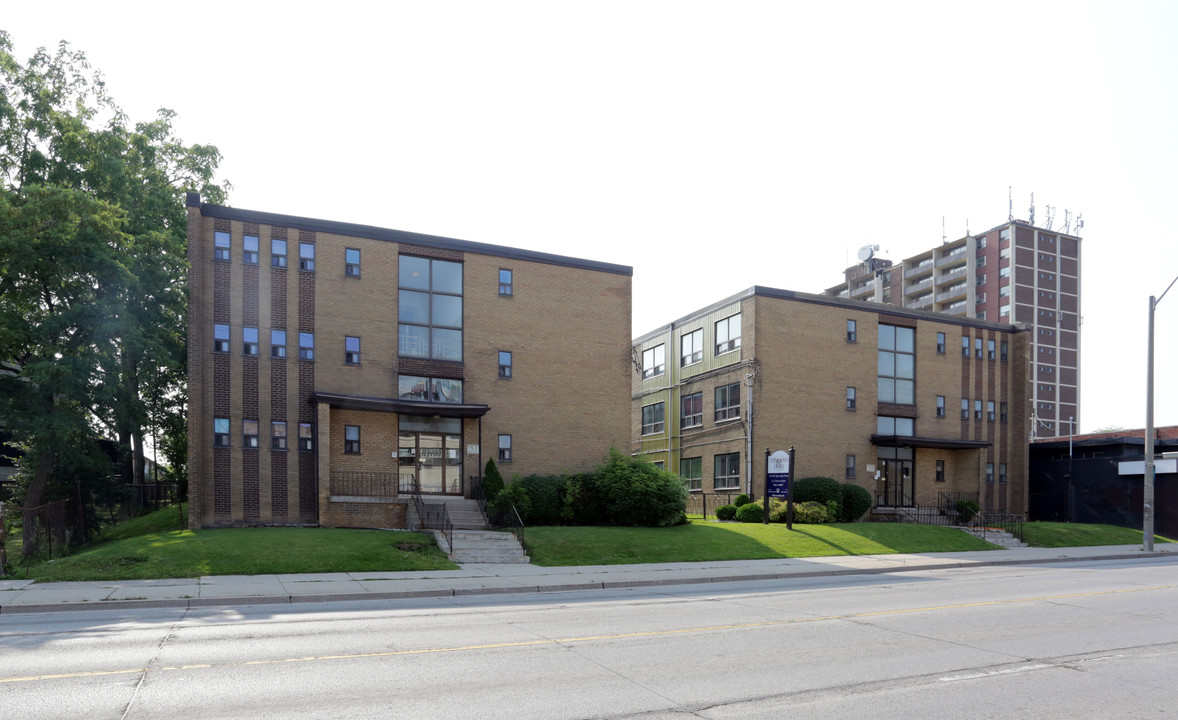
(107,308)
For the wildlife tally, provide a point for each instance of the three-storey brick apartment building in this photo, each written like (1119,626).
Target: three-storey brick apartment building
(1012,273)
(914,406)
(331,364)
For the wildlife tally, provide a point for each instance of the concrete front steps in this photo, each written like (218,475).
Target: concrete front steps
(998,537)
(486,546)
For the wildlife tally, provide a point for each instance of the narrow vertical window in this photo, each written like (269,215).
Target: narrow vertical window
(965,408)
(977,409)
(504,365)
(850,398)
(850,474)
(306,257)
(1001,473)
(990,410)
(278,253)
(940,343)
(1002,412)
(977,344)
(277,436)
(505,283)
(249,249)
(249,341)
(221,432)
(940,471)
(851,332)
(965,346)
(989,473)
(220,246)
(220,338)
(352,262)
(249,434)
(351,350)
(306,346)
(728,334)
(352,439)
(306,439)
(940,406)
(504,448)
(1005,349)
(277,343)
(990,349)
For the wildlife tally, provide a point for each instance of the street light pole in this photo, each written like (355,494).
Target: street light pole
(1147,500)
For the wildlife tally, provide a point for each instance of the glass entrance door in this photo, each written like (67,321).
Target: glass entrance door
(898,489)
(432,462)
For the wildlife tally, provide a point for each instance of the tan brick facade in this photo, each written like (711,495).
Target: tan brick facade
(565,322)
(795,351)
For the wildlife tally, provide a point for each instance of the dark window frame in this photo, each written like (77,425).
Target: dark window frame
(691,419)
(731,468)
(352,445)
(277,435)
(351,269)
(506,368)
(505,451)
(730,408)
(248,256)
(277,259)
(351,357)
(506,289)
(654,418)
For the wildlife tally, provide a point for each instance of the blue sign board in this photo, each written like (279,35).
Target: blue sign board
(778,475)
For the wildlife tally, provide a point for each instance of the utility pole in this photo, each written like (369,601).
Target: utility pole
(1147,508)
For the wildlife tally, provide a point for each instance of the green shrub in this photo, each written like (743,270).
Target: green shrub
(582,504)
(812,513)
(742,499)
(635,493)
(966,509)
(777,510)
(492,480)
(750,513)
(514,494)
(546,493)
(856,502)
(821,490)
(726,512)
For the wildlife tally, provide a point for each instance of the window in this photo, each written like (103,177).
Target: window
(504,448)
(965,408)
(306,257)
(728,334)
(692,470)
(1004,253)
(249,434)
(220,246)
(990,410)
(940,406)
(1003,310)
(897,365)
(652,419)
(249,249)
(977,409)
(429,308)
(504,364)
(1001,473)
(306,346)
(977,346)
(940,343)
(351,350)
(505,286)
(965,346)
(278,253)
(220,338)
(1002,412)
(691,348)
(981,280)
(249,341)
(352,262)
(1005,352)
(850,473)
(654,361)
(352,439)
(851,331)
(990,349)
(691,410)
(850,398)
(306,441)
(221,432)
(981,242)
(424,389)
(277,436)
(940,471)
(989,473)
(277,343)
(727,402)
(886,425)
(727,472)
(981,263)
(1004,272)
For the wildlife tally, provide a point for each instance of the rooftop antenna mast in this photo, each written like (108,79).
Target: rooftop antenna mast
(1050,217)
(1010,203)
(1067,222)
(1079,222)
(1032,209)
(944,237)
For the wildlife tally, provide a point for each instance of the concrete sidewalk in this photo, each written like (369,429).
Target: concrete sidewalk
(28,596)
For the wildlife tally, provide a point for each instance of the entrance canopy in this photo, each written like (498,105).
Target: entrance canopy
(927,442)
(394,405)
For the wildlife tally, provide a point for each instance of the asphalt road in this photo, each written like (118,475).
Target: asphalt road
(1089,639)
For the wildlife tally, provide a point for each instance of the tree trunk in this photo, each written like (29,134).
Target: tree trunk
(34,497)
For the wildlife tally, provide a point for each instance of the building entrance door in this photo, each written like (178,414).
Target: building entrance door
(431,462)
(898,487)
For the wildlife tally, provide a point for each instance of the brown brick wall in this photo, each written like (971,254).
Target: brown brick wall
(392,515)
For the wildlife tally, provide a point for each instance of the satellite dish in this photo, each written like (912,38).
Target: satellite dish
(866,252)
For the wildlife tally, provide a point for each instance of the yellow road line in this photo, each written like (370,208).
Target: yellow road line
(586,638)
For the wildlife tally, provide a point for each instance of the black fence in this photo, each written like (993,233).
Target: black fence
(704,504)
(366,484)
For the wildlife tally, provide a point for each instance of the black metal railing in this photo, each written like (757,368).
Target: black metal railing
(502,517)
(432,516)
(366,484)
(894,498)
(705,504)
(998,521)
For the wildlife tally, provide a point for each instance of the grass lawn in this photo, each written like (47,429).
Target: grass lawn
(702,540)
(1058,534)
(140,549)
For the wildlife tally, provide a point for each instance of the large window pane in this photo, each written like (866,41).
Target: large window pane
(447,277)
(413,341)
(887,363)
(413,307)
(413,272)
(412,387)
(447,311)
(447,391)
(887,390)
(905,392)
(905,339)
(887,337)
(447,344)
(905,366)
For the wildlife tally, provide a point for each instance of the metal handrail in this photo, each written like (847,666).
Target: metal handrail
(498,518)
(432,517)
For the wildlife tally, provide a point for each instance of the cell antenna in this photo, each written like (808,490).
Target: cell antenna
(1079,222)
(1067,222)
(1032,209)
(1010,203)
(1050,217)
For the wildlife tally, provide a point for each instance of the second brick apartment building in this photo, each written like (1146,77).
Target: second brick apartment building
(332,365)
(912,405)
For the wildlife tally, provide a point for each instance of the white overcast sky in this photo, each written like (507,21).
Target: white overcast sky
(711,146)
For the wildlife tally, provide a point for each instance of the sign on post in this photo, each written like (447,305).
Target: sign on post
(778,475)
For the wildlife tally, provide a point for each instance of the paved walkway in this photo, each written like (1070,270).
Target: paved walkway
(27,596)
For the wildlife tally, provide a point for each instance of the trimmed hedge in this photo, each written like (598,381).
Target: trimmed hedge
(856,502)
(750,513)
(822,490)
(636,493)
(726,512)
